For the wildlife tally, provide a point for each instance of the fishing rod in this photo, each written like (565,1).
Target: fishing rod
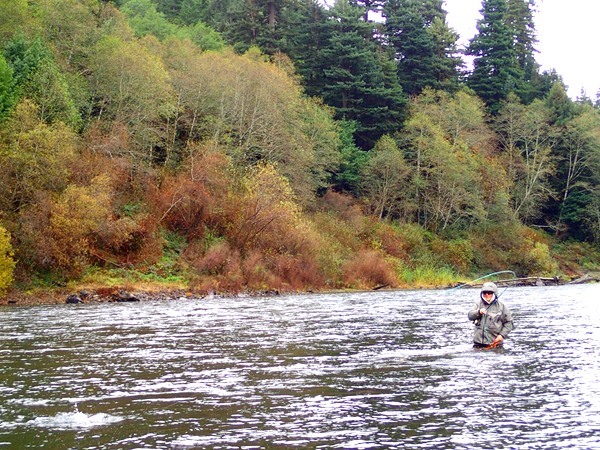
(468,283)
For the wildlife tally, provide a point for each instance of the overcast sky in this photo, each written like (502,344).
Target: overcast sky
(568,33)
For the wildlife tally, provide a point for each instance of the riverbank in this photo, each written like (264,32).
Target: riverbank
(173,292)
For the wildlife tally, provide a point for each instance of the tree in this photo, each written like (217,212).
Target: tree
(353,160)
(257,112)
(519,18)
(303,38)
(384,177)
(265,214)
(119,76)
(145,19)
(16,17)
(354,76)
(496,70)
(446,185)
(559,104)
(8,94)
(422,44)
(34,156)
(37,76)
(527,143)
(578,155)
(70,27)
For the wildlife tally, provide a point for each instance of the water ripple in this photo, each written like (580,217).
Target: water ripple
(362,371)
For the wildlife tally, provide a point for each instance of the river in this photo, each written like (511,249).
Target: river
(372,370)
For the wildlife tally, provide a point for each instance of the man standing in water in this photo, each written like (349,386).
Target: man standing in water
(493,320)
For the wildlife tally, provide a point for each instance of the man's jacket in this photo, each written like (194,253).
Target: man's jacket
(497,320)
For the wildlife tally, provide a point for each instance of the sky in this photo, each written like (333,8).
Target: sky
(567,32)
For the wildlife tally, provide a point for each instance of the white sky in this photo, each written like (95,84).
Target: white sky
(567,31)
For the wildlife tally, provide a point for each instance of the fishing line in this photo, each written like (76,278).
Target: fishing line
(468,283)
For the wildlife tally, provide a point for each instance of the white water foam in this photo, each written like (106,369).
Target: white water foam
(74,420)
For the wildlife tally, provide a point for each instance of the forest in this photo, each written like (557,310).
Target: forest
(259,145)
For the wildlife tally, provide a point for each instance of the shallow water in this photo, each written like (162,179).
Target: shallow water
(362,371)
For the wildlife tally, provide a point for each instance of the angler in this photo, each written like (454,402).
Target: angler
(493,319)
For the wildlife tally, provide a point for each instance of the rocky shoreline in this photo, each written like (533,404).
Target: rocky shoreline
(123,295)
(116,295)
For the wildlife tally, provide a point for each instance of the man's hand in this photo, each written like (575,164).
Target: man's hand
(496,342)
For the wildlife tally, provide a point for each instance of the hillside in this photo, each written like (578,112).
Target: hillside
(148,145)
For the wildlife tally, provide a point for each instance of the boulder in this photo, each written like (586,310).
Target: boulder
(74,299)
(124,296)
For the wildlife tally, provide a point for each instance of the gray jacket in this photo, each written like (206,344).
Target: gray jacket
(498,320)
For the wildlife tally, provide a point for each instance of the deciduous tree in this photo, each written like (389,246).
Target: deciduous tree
(385,178)
(527,142)
(120,74)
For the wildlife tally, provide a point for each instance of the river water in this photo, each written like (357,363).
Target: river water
(370,370)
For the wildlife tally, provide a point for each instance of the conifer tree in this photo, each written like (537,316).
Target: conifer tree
(354,76)
(496,70)
(369,6)
(8,95)
(422,44)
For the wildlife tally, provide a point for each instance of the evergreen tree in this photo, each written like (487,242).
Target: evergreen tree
(8,95)
(303,38)
(496,70)
(519,18)
(354,76)
(422,44)
(369,6)
(255,23)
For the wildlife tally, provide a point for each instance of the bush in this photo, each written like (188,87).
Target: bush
(368,269)
(7,263)
(456,253)
(517,248)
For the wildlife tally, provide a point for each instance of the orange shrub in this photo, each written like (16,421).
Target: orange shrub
(298,272)
(215,260)
(191,199)
(368,269)
(256,273)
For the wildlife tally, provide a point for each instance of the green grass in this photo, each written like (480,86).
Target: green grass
(427,276)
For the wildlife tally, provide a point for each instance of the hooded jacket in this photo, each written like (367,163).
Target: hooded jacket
(497,320)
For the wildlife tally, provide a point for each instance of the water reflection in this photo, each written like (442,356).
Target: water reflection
(371,370)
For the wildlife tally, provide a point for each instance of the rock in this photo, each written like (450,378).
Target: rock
(74,299)
(124,296)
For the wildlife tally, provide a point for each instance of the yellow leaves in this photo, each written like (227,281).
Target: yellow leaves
(7,263)
(266,214)
(16,16)
(77,213)
(82,209)
(133,86)
(36,155)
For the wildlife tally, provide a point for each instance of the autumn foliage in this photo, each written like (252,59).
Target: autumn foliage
(151,157)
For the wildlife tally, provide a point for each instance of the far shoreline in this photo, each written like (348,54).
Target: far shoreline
(128,294)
